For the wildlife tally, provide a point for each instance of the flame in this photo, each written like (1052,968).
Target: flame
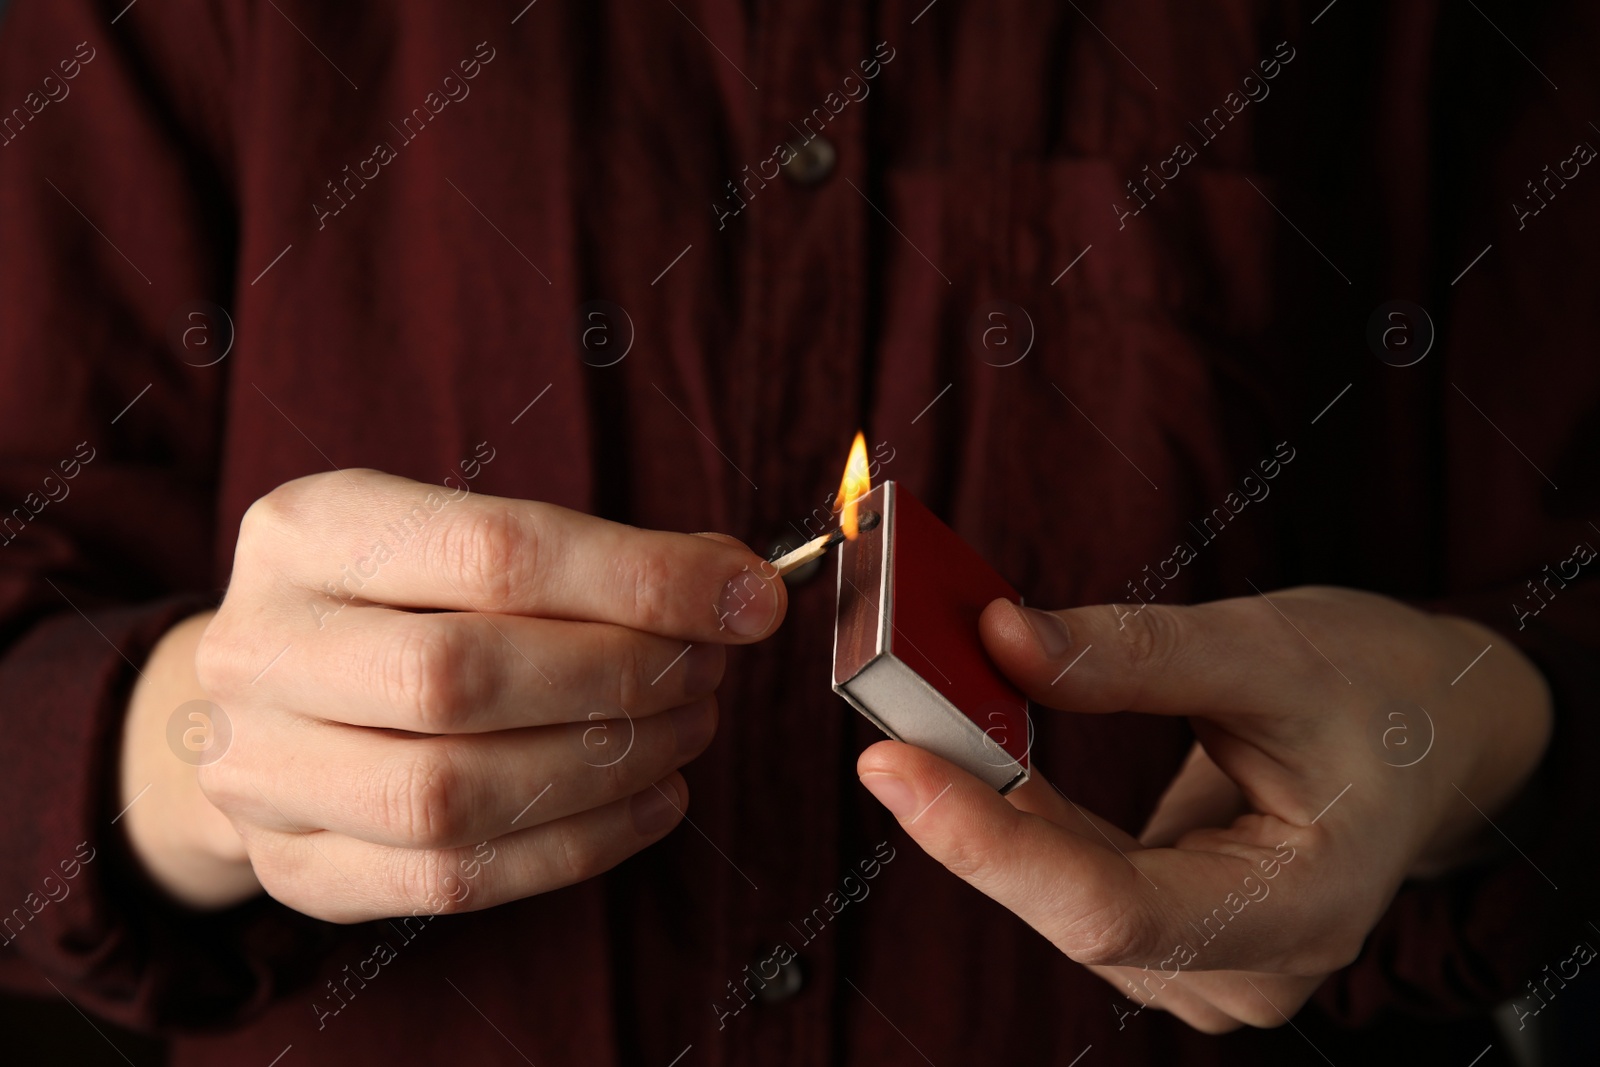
(856,484)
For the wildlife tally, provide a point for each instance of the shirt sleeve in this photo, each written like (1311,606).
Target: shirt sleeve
(1492,932)
(1517,395)
(115,178)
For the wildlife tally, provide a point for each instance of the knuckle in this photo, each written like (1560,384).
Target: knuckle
(608,744)
(1111,934)
(255,525)
(491,552)
(216,666)
(429,674)
(289,505)
(278,880)
(421,800)
(968,857)
(217,786)
(264,519)
(212,785)
(423,880)
(1151,636)
(603,741)
(648,587)
(627,656)
(279,864)
(578,855)
(225,784)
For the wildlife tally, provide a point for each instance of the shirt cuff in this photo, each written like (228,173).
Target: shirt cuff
(76,910)
(1459,944)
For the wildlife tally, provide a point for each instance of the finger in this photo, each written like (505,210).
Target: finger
(449,791)
(461,672)
(1144,989)
(1039,796)
(344,880)
(389,540)
(1095,903)
(1081,895)
(1217,1001)
(1229,656)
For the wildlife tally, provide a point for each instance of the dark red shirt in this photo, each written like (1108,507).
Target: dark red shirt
(1187,219)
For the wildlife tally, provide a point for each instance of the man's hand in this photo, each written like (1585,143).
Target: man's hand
(437,702)
(1284,837)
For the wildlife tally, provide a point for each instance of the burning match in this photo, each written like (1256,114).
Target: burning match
(817,547)
(856,483)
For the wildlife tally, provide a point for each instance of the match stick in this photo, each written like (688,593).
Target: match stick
(817,546)
(812,549)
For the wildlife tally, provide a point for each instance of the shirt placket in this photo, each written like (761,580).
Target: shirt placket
(799,401)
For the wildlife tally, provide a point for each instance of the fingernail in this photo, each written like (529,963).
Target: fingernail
(748,604)
(893,793)
(702,669)
(655,809)
(1048,630)
(692,728)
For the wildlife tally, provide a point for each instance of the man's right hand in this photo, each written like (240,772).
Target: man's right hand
(438,702)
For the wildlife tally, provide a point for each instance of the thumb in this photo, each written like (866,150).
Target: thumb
(1098,902)
(756,575)
(1084,895)
(1206,659)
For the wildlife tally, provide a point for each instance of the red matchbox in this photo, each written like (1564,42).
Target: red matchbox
(906,652)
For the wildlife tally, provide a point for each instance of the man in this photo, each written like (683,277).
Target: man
(1096,282)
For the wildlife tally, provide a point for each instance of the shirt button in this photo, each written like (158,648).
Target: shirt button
(803,573)
(812,162)
(790,979)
